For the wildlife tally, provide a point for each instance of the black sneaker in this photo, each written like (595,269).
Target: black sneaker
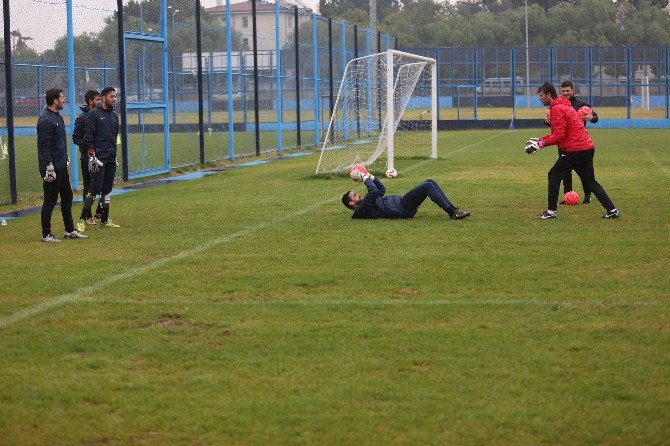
(587,199)
(459,214)
(562,202)
(614,213)
(548,214)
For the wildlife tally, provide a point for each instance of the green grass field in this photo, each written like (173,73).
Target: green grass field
(246,307)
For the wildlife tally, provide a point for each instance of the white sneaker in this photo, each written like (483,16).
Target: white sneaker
(74,234)
(50,238)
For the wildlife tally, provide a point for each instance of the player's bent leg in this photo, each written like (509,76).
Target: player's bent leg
(586,173)
(437,196)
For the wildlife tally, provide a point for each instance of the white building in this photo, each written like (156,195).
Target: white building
(240,15)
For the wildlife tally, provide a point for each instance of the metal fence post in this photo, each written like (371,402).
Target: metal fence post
(315,74)
(629,75)
(9,96)
(280,138)
(122,82)
(231,100)
(198,50)
(72,94)
(330,66)
(256,104)
(297,76)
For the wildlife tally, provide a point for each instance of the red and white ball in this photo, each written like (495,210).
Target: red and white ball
(584,111)
(357,168)
(391,173)
(571,198)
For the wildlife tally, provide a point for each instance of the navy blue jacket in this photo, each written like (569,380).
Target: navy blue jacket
(51,141)
(78,132)
(101,129)
(376,205)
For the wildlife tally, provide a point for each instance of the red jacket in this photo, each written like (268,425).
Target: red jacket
(567,129)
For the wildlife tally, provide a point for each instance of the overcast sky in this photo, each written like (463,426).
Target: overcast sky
(29,18)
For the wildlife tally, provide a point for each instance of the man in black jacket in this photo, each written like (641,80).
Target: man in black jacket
(92,99)
(53,163)
(568,92)
(101,130)
(375,205)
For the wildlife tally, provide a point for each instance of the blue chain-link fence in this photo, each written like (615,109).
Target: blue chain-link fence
(256,94)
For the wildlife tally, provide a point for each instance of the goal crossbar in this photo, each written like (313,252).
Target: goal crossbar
(373,95)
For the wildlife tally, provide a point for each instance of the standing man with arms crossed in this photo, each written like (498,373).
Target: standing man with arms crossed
(101,129)
(577,150)
(53,163)
(92,99)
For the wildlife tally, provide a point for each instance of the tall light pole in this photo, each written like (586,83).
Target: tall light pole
(527,64)
(173,14)
(373,15)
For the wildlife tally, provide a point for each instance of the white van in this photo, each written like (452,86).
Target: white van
(500,86)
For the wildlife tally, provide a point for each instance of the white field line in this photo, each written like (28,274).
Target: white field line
(657,163)
(381,303)
(81,293)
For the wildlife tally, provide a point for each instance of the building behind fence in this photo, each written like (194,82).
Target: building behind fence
(197,90)
(181,105)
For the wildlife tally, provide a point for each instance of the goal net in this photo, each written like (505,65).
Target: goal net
(385,109)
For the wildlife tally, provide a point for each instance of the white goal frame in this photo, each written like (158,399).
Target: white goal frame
(389,125)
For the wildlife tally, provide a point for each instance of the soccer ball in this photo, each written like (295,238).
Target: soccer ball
(571,198)
(356,171)
(584,111)
(391,173)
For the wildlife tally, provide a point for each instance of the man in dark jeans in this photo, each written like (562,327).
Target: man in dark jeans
(376,205)
(53,163)
(100,132)
(568,92)
(577,150)
(92,99)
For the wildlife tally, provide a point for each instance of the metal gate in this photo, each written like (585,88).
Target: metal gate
(145,92)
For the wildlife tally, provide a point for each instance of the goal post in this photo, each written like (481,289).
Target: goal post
(386,103)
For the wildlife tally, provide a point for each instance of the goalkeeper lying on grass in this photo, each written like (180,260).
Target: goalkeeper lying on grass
(376,205)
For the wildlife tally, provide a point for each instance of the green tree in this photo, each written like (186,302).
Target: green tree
(341,9)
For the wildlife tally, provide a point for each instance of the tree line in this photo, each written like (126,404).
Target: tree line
(429,23)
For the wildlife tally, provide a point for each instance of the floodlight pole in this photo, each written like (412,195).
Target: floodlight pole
(373,15)
(513,80)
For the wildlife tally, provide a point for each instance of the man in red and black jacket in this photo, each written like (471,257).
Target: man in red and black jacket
(577,150)
(568,92)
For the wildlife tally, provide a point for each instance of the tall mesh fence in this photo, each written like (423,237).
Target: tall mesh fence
(161,91)
(233,93)
(501,83)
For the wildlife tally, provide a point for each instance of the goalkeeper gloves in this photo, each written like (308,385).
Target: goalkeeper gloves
(51,173)
(94,164)
(367,176)
(533,145)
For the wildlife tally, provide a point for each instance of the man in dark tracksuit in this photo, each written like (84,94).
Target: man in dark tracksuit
(568,92)
(100,132)
(577,151)
(92,99)
(53,162)
(375,205)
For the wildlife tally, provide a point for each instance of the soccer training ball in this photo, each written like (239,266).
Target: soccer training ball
(391,173)
(584,111)
(571,198)
(354,171)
